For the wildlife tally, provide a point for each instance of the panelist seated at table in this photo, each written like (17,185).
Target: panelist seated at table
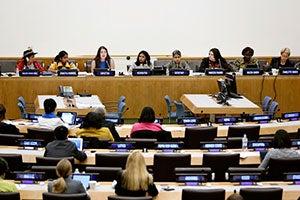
(246,61)
(143,61)
(92,127)
(49,120)
(177,63)
(61,147)
(5,125)
(135,179)
(5,186)
(61,62)
(282,145)
(102,60)
(214,60)
(28,61)
(65,184)
(283,60)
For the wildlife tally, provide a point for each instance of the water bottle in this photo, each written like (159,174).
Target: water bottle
(76,171)
(245,142)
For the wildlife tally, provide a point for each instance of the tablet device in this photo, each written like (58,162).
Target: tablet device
(68,117)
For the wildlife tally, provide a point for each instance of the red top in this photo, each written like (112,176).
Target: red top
(36,64)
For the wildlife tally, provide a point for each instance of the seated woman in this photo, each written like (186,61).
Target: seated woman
(61,61)
(28,61)
(283,60)
(177,62)
(135,179)
(5,186)
(143,60)
(102,60)
(214,60)
(146,121)
(92,127)
(242,63)
(64,184)
(5,125)
(49,120)
(282,145)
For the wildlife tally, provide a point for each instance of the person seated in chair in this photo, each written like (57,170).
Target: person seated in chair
(92,127)
(143,60)
(62,147)
(5,125)
(28,61)
(242,63)
(177,62)
(214,60)
(5,186)
(64,184)
(283,60)
(135,179)
(146,121)
(61,61)
(282,148)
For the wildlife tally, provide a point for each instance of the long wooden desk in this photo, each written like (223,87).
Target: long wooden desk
(142,91)
(104,189)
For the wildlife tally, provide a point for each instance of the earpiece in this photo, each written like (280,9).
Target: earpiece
(27,59)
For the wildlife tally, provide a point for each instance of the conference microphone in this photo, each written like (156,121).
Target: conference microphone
(125,110)
(257,63)
(127,57)
(107,64)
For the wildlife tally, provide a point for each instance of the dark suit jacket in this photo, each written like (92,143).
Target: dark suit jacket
(205,64)
(112,129)
(64,148)
(8,128)
(275,63)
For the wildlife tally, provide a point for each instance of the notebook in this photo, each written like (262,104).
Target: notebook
(68,117)
(78,142)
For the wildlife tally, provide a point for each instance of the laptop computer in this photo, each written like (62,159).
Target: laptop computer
(78,142)
(68,117)
(85,179)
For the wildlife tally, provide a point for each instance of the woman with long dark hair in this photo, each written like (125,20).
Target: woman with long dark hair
(214,60)
(102,60)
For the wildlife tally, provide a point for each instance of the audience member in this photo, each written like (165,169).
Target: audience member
(5,186)
(143,60)
(146,121)
(64,184)
(5,125)
(235,196)
(28,61)
(135,179)
(283,60)
(108,124)
(61,61)
(102,60)
(177,62)
(214,60)
(92,127)
(242,63)
(62,147)
(282,144)
(49,120)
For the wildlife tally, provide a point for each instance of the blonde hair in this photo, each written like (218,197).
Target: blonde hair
(136,177)
(63,170)
(285,50)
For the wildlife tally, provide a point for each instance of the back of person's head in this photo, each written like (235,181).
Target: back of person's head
(60,55)
(49,105)
(248,51)
(61,132)
(92,120)
(176,52)
(63,170)
(3,167)
(235,196)
(2,112)
(101,111)
(147,115)
(281,139)
(216,53)
(136,176)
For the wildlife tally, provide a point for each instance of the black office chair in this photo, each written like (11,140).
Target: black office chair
(194,171)
(203,194)
(10,195)
(195,65)
(111,159)
(55,196)
(252,132)
(114,197)
(160,136)
(8,65)
(141,143)
(160,62)
(105,173)
(50,171)
(15,163)
(87,65)
(220,162)
(10,139)
(51,161)
(95,143)
(194,135)
(272,193)
(39,133)
(164,165)
(278,166)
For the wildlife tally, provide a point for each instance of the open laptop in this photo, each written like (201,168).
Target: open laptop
(78,142)
(68,117)
(84,179)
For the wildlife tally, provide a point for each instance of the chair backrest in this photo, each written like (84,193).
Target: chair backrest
(195,65)
(179,109)
(111,159)
(234,142)
(121,99)
(160,136)
(272,193)
(141,143)
(50,161)
(15,163)
(38,133)
(203,194)
(22,101)
(88,64)
(23,113)
(10,195)
(50,171)
(194,135)
(10,139)
(169,103)
(265,104)
(164,165)
(220,162)
(105,173)
(8,65)
(55,196)
(252,132)
(278,166)
(160,62)
(194,171)
(121,109)
(95,143)
(114,197)
(273,108)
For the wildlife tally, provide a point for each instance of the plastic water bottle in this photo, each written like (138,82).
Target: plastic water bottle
(76,171)
(245,143)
